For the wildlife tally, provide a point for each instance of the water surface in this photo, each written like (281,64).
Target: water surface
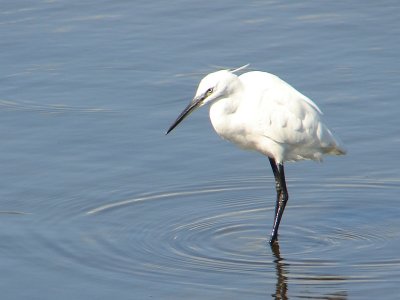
(97,203)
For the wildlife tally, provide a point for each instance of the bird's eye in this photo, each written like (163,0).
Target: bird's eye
(209,91)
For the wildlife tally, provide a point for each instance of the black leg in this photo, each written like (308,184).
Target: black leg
(282,198)
(277,183)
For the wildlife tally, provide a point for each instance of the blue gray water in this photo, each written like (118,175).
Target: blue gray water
(97,203)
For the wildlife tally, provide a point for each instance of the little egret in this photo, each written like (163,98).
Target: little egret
(259,111)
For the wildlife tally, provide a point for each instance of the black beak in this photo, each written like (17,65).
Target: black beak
(195,103)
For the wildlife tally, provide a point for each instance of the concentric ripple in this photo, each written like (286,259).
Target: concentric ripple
(200,234)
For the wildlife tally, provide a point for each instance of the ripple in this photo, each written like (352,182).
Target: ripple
(50,108)
(14,212)
(201,233)
(158,196)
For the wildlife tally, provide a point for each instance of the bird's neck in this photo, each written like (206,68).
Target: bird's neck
(222,115)
(230,103)
(222,111)
(224,107)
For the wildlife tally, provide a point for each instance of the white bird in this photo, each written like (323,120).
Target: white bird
(259,111)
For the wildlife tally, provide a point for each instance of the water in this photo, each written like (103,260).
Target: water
(97,203)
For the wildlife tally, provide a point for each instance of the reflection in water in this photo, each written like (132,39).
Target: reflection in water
(282,279)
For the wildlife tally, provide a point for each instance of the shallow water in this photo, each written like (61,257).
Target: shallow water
(97,203)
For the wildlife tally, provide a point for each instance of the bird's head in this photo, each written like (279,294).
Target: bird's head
(214,86)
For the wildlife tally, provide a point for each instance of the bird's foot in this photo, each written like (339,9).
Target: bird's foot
(273,239)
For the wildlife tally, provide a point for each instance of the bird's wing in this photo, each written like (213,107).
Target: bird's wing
(288,116)
(280,113)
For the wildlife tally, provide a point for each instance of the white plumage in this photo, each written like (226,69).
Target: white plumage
(259,111)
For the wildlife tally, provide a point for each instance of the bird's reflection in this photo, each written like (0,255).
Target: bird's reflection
(281,279)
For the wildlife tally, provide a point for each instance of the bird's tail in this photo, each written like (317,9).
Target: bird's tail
(337,150)
(333,145)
